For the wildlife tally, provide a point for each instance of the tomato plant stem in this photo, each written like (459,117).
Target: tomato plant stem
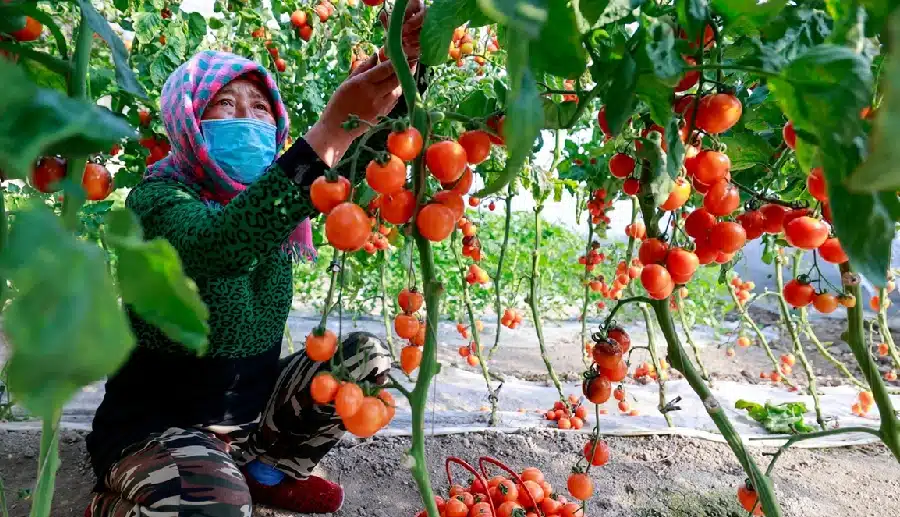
(654,358)
(289,337)
(820,434)
(4,228)
(795,339)
(890,425)
(385,317)
(760,337)
(688,335)
(74,196)
(48,463)
(335,268)
(814,339)
(884,329)
(498,302)
(587,290)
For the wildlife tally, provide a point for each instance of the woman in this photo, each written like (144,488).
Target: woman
(178,434)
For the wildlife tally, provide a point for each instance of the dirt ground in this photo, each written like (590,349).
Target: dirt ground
(665,476)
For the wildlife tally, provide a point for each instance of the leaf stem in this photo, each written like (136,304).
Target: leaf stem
(679,303)
(820,434)
(654,357)
(72,201)
(498,303)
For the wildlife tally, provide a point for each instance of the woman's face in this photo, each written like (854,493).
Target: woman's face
(241,98)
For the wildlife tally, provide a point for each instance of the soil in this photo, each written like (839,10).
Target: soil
(659,476)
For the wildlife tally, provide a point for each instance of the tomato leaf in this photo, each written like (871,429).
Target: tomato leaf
(566,57)
(437,31)
(795,30)
(524,113)
(747,16)
(664,59)
(602,12)
(526,16)
(785,418)
(477,105)
(747,149)
(40,121)
(124,75)
(154,284)
(675,152)
(620,99)
(557,115)
(692,16)
(659,180)
(65,326)
(657,95)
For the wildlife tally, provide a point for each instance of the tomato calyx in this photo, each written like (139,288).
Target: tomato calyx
(352,122)
(803,279)
(399,126)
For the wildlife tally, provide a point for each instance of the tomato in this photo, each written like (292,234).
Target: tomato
(398,208)
(580,486)
(722,199)
(749,500)
(410,358)
(298,18)
(604,125)
(815,183)
(477,145)
(410,300)
(321,348)
(389,406)
(709,38)
(831,251)
(280,65)
(754,223)
(505,492)
(621,165)
(679,195)
(636,230)
(825,303)
(607,354)
(451,200)
(550,506)
(533,474)
(797,294)
(368,419)
(682,263)
(30,32)
(571,510)
(373,3)
(388,177)
(495,123)
(727,236)
(406,144)
(657,281)
(806,233)
(706,253)
(508,509)
(711,166)
(406,326)
(699,223)
(774,217)
(596,389)
(348,400)
(631,186)
(324,388)
(347,227)
(455,508)
(596,452)
(690,78)
(723,258)
(481,510)
(435,222)
(790,136)
(323,12)
(616,373)
(652,251)
(621,337)
(530,494)
(47,174)
(718,113)
(325,194)
(446,160)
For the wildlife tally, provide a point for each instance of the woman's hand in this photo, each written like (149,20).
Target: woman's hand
(412,27)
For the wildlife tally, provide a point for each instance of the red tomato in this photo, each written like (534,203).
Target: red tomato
(652,251)
(47,174)
(815,183)
(477,145)
(617,373)
(621,165)
(631,186)
(679,195)
(386,178)
(435,222)
(806,233)
(96,181)
(826,303)
(754,223)
(690,78)
(681,263)
(597,455)
(399,207)
(405,145)
(657,281)
(698,223)
(451,200)
(601,119)
(597,389)
(831,251)
(797,294)
(774,217)
(711,166)
(621,337)
(722,199)
(446,160)
(718,113)
(790,137)
(30,32)
(706,253)
(347,227)
(749,500)
(727,236)
(495,123)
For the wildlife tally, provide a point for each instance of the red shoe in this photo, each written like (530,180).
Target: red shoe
(311,495)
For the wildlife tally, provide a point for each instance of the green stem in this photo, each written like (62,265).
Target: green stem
(795,340)
(690,338)
(748,69)
(820,434)
(48,463)
(760,337)
(498,303)
(621,303)
(654,357)
(587,292)
(395,52)
(890,425)
(3,232)
(290,338)
(811,335)
(385,316)
(473,327)
(331,285)
(534,300)
(885,329)
(78,90)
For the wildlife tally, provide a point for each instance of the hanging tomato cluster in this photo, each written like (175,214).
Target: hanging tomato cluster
(592,258)
(471,245)
(468,352)
(408,326)
(511,318)
(571,414)
(49,171)
(598,206)
(742,290)
(476,275)
(362,414)
(608,365)
(463,45)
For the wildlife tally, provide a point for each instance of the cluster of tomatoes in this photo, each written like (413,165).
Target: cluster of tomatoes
(471,246)
(463,44)
(592,258)
(865,402)
(51,170)
(571,414)
(742,290)
(608,365)
(362,414)
(530,495)
(646,370)
(469,351)
(476,275)
(378,240)
(598,206)
(408,326)
(30,31)
(511,318)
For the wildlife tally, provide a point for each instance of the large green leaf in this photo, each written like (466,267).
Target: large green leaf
(747,149)
(675,148)
(526,16)
(524,112)
(124,75)
(558,115)
(657,95)
(785,418)
(565,56)
(65,326)
(39,121)
(620,99)
(747,16)
(477,105)
(665,61)
(658,180)
(601,12)
(437,31)
(154,285)
(148,26)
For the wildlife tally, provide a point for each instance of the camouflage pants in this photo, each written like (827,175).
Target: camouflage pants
(196,471)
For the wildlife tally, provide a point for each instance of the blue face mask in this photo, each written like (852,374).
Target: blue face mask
(244,148)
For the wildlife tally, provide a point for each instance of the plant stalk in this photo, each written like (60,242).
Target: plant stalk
(75,197)
(385,316)
(498,303)
(885,329)
(814,339)
(587,293)
(690,338)
(760,337)
(654,357)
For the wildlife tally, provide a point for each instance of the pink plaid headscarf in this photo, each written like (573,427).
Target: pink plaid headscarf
(184,97)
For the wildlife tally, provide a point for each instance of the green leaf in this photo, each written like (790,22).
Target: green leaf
(526,16)
(443,17)
(39,121)
(795,30)
(659,182)
(163,65)
(124,75)
(592,9)
(621,99)
(147,26)
(692,16)
(675,152)
(196,28)
(785,418)
(665,60)
(566,56)
(747,16)
(658,97)
(65,327)
(524,113)
(154,285)
(557,115)
(747,149)
(477,105)
(612,10)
